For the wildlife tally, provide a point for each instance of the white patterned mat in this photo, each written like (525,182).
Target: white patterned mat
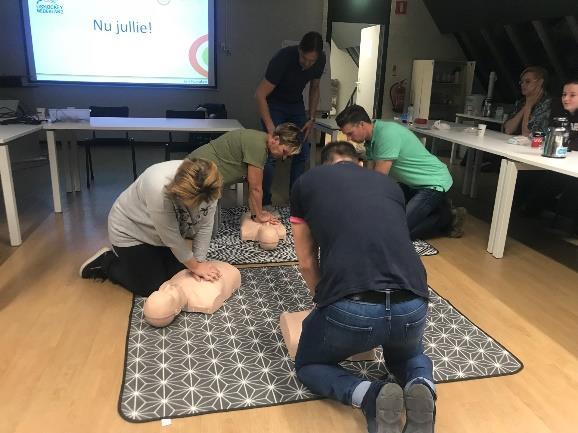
(228,247)
(236,358)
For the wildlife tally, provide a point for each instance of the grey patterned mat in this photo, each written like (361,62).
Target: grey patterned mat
(228,247)
(237,359)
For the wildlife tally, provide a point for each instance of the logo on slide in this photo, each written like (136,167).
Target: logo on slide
(49,7)
(199,55)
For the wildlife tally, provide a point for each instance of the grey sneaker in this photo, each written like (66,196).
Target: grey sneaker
(420,410)
(389,408)
(458,218)
(93,267)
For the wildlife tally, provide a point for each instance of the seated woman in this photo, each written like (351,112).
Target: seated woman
(243,153)
(570,105)
(531,112)
(148,224)
(554,190)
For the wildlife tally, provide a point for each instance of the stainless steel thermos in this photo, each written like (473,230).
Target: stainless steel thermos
(556,142)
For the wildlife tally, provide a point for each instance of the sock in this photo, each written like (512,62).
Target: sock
(359,392)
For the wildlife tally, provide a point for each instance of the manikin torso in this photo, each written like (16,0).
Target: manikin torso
(183,292)
(268,235)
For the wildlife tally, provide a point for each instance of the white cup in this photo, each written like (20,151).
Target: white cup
(481,129)
(41,113)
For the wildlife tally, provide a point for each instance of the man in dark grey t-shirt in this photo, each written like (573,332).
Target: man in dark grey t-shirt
(356,257)
(280,98)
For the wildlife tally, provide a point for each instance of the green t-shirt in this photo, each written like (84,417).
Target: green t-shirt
(233,151)
(412,164)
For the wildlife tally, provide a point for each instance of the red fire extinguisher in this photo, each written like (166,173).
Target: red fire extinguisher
(397,96)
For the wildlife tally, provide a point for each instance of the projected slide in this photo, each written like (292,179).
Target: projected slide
(121,41)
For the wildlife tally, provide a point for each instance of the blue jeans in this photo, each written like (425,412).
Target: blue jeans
(332,334)
(428,212)
(281,113)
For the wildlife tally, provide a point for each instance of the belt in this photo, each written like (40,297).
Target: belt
(374,297)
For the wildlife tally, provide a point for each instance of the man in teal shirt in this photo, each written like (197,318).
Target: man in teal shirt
(394,150)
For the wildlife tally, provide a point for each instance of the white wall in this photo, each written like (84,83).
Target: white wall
(344,70)
(413,36)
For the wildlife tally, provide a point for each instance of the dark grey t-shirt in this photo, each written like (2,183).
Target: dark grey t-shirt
(284,71)
(357,217)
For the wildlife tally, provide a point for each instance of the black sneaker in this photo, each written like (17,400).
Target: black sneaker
(93,267)
(459,215)
(383,406)
(420,409)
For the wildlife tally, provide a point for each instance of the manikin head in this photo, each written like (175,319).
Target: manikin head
(164,305)
(532,80)
(355,123)
(285,141)
(570,96)
(184,292)
(310,49)
(268,237)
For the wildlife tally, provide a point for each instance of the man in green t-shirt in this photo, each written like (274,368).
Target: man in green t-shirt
(241,154)
(394,150)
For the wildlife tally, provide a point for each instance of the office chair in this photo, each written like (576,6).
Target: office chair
(97,111)
(213,111)
(182,147)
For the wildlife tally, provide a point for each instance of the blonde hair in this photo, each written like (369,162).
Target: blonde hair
(290,135)
(539,72)
(195,181)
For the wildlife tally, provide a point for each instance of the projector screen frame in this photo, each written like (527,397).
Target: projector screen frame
(31,75)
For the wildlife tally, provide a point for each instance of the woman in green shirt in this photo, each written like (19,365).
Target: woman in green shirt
(242,154)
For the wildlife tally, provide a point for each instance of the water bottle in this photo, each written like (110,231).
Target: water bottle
(410,114)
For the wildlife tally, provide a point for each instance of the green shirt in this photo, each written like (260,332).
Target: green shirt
(412,164)
(233,151)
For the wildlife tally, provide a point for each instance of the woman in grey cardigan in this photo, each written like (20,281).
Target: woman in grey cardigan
(149,222)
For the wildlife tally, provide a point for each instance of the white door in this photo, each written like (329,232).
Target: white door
(368,53)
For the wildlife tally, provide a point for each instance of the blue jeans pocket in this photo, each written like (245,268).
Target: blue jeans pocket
(345,336)
(414,330)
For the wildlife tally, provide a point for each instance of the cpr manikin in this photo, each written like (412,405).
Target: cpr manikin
(183,292)
(291,331)
(268,235)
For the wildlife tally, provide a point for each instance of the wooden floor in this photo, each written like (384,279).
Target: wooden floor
(62,338)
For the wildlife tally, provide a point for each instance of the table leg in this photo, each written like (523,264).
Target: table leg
(497,205)
(476,172)
(453,153)
(505,209)
(9,197)
(468,172)
(74,163)
(53,161)
(433,145)
(313,150)
(65,151)
(239,189)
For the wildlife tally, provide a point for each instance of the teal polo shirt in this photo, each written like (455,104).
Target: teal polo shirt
(412,164)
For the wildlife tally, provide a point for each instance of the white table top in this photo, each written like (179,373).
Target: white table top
(327,123)
(496,143)
(481,118)
(12,132)
(148,124)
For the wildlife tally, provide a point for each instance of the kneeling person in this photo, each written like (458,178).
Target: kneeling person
(394,150)
(148,224)
(370,290)
(243,153)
